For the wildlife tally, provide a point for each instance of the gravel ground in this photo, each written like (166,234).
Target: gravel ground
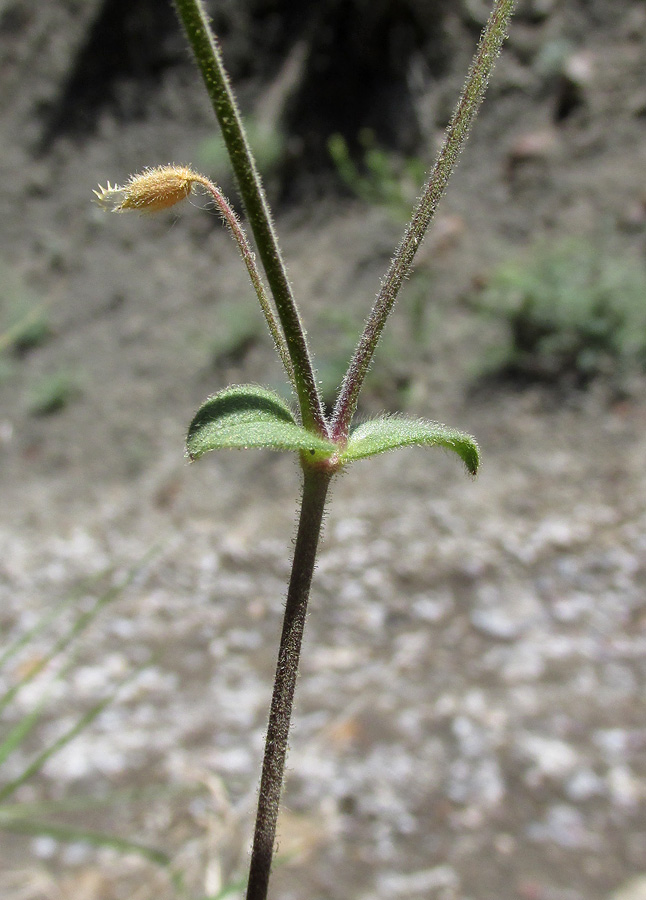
(470,719)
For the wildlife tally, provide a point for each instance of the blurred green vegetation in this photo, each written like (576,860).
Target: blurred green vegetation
(380,178)
(335,332)
(24,323)
(34,661)
(267,145)
(42,656)
(52,392)
(571,311)
(24,327)
(240,328)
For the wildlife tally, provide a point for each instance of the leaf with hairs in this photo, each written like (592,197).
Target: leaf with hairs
(245,416)
(392,432)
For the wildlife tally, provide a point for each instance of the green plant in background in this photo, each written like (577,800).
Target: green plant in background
(267,144)
(25,326)
(34,654)
(39,658)
(23,317)
(240,329)
(244,416)
(27,330)
(572,311)
(52,393)
(383,179)
(24,323)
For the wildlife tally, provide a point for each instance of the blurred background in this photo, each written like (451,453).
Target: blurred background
(470,720)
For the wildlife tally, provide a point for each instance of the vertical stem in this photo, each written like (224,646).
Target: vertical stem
(400,268)
(207,55)
(309,528)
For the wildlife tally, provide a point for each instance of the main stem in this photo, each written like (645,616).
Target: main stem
(315,489)
(205,48)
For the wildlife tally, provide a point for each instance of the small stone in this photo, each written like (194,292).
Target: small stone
(563,825)
(551,757)
(576,78)
(404,884)
(625,789)
(585,784)
(44,847)
(633,217)
(494,623)
(533,145)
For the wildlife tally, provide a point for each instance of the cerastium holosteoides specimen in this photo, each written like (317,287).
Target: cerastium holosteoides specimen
(245,416)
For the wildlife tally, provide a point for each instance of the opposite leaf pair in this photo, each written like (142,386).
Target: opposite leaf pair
(243,416)
(248,415)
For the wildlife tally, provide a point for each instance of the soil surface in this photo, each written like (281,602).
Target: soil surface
(471,717)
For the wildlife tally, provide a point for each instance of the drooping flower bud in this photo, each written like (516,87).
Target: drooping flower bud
(150,191)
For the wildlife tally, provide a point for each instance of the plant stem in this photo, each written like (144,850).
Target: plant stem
(400,268)
(207,55)
(233,224)
(316,483)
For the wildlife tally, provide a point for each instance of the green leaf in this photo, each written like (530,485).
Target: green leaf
(392,432)
(248,415)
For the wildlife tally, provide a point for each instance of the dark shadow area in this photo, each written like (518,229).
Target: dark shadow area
(120,61)
(356,71)
(357,75)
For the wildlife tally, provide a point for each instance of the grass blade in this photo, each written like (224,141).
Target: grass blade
(69,833)
(82,621)
(86,719)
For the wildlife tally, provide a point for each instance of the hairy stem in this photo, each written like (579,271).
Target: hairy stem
(309,528)
(233,224)
(207,55)
(400,268)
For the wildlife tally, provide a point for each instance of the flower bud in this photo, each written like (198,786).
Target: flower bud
(150,191)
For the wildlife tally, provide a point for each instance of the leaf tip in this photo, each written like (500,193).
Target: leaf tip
(469,451)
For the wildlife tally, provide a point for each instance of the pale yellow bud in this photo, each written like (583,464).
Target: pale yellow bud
(151,191)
